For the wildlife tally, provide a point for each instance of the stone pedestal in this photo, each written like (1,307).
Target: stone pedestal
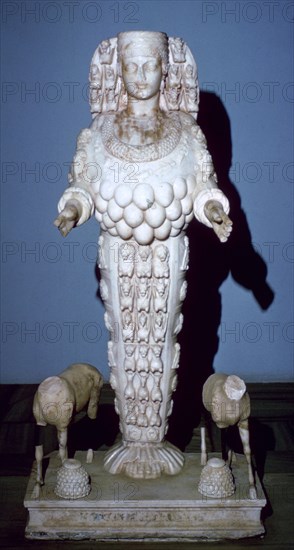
(167,509)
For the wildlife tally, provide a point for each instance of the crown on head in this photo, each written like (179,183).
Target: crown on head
(143,43)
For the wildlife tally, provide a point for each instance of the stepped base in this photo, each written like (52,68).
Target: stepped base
(166,509)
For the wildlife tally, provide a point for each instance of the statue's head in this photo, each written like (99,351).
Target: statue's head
(140,65)
(143,62)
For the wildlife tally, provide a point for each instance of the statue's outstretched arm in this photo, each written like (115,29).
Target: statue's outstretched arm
(211,206)
(76,204)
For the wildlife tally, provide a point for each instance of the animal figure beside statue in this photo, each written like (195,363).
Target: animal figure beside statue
(58,399)
(226,398)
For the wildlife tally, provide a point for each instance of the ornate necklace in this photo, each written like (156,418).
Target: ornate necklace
(143,153)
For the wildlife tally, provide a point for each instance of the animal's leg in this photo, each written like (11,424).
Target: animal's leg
(62,440)
(244,434)
(90,456)
(39,458)
(231,457)
(39,478)
(224,444)
(203,447)
(94,398)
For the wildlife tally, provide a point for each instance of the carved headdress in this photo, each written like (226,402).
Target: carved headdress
(150,44)
(179,90)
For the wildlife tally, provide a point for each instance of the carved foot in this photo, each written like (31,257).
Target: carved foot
(144,461)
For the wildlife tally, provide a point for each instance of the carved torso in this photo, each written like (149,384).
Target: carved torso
(145,191)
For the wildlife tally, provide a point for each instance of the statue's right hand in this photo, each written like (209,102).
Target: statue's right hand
(67,218)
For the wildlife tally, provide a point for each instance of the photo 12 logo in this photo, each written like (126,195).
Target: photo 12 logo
(70,12)
(251,92)
(52,332)
(252,332)
(247,12)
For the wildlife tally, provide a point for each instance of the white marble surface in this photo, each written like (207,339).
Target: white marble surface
(118,508)
(144,169)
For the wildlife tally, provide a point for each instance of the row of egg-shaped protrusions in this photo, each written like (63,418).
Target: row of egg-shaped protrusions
(146,211)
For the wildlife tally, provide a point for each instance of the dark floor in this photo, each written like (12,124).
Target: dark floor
(272,428)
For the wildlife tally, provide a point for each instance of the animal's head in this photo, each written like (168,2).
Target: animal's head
(53,403)
(227,402)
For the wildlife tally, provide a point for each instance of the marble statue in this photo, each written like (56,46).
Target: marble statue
(59,398)
(226,398)
(144,170)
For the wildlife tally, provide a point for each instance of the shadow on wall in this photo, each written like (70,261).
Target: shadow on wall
(210,264)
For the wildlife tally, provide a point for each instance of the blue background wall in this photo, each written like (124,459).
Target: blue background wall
(50,313)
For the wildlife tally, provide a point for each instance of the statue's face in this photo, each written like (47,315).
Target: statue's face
(142,76)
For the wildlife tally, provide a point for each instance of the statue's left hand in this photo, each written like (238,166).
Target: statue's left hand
(221,223)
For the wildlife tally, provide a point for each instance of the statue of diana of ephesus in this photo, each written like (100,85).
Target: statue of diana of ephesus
(144,169)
